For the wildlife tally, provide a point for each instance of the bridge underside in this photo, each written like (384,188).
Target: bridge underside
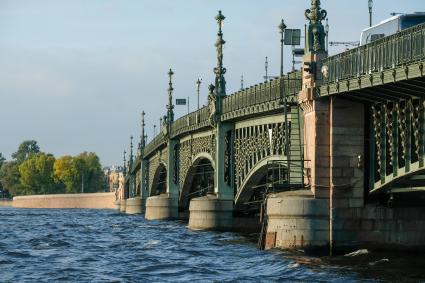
(199,182)
(395,115)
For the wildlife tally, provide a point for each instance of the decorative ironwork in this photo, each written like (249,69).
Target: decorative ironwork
(142,136)
(253,144)
(176,158)
(255,100)
(219,71)
(402,128)
(376,117)
(228,157)
(189,149)
(145,177)
(414,117)
(185,158)
(390,132)
(386,53)
(398,135)
(170,106)
(316,31)
(154,164)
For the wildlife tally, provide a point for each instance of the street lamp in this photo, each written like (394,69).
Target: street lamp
(327,34)
(282,28)
(370,5)
(198,84)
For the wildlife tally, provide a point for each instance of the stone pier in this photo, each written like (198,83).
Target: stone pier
(135,206)
(208,212)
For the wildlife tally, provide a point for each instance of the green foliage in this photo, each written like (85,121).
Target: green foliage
(66,172)
(25,150)
(2,159)
(37,174)
(91,172)
(80,173)
(10,177)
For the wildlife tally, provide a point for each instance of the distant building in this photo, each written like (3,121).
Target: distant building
(115,179)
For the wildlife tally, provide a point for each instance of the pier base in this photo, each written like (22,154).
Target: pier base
(135,206)
(117,204)
(122,205)
(296,220)
(210,213)
(162,207)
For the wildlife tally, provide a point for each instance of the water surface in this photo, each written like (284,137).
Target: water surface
(39,245)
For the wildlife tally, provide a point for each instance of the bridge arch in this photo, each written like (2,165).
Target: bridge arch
(255,181)
(198,181)
(159,180)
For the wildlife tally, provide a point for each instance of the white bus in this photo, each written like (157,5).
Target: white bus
(391,26)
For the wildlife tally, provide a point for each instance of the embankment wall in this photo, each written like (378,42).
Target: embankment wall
(91,201)
(5,202)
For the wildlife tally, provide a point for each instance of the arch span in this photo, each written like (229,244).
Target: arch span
(199,180)
(159,181)
(254,184)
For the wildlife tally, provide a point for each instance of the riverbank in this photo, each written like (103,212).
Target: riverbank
(5,202)
(89,201)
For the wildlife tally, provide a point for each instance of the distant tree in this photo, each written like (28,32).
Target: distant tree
(91,172)
(2,159)
(37,174)
(10,178)
(66,172)
(80,173)
(25,150)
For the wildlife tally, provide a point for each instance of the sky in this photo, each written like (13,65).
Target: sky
(76,74)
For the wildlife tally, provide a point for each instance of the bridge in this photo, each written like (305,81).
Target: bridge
(328,156)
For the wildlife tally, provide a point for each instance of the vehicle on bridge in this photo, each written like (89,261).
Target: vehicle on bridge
(391,26)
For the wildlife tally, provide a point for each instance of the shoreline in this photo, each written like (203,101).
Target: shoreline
(87,201)
(6,202)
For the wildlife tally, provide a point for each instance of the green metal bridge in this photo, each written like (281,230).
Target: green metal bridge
(233,143)
(386,75)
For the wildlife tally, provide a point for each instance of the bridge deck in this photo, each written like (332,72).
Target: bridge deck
(391,59)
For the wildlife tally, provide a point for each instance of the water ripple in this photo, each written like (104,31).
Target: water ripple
(106,246)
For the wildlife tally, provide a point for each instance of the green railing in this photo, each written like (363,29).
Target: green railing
(154,144)
(255,95)
(264,92)
(389,52)
(192,121)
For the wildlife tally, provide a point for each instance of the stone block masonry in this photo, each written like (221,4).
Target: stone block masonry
(380,227)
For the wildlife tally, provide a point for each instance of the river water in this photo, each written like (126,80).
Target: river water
(38,245)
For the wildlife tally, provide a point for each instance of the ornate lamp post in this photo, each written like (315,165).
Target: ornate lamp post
(170,106)
(282,28)
(315,37)
(125,164)
(327,34)
(131,150)
(142,136)
(124,173)
(220,82)
(198,84)
(131,166)
(266,66)
(370,6)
